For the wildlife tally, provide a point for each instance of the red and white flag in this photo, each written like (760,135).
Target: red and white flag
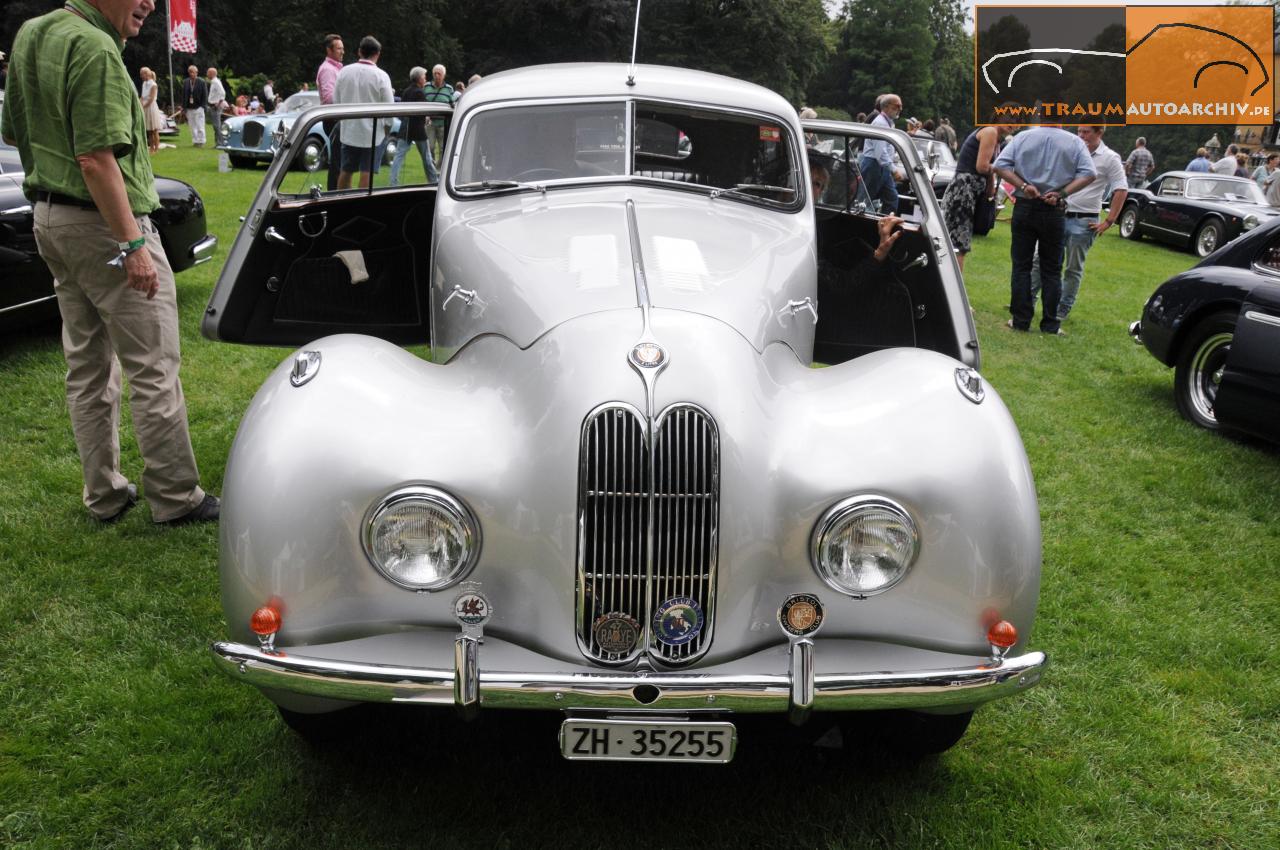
(182,25)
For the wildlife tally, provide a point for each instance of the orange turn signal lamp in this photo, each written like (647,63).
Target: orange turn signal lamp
(1001,635)
(265,622)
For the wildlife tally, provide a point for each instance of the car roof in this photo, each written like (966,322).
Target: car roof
(609,80)
(1206,174)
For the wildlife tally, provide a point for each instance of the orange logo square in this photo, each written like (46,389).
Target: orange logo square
(1199,64)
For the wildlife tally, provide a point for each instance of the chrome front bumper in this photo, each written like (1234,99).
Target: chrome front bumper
(202,251)
(1135,331)
(797,687)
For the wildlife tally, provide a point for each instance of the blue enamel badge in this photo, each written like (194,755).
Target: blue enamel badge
(678,620)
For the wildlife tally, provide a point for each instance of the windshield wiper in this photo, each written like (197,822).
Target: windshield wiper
(757,192)
(499,184)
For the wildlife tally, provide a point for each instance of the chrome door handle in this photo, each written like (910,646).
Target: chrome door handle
(276,236)
(794,307)
(467,296)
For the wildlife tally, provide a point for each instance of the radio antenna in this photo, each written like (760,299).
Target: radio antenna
(635,39)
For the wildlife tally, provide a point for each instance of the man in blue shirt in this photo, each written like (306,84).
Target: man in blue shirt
(876,163)
(1201,162)
(1045,165)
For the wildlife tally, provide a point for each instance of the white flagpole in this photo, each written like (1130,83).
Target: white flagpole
(168,46)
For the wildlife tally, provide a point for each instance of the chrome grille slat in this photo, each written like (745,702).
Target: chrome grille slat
(625,469)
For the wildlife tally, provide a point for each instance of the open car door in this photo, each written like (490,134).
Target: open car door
(309,261)
(1248,398)
(916,298)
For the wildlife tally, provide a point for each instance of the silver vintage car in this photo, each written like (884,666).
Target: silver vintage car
(619,484)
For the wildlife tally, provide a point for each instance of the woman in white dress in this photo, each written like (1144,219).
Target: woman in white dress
(151,113)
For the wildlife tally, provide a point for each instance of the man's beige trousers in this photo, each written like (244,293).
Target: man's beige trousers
(102,320)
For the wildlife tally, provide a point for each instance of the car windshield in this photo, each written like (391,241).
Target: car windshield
(729,155)
(1241,191)
(300,101)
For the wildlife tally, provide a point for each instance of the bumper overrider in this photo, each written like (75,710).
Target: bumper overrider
(784,679)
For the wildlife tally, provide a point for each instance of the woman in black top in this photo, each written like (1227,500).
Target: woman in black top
(975,174)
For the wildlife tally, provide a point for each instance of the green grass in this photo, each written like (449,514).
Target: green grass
(1157,725)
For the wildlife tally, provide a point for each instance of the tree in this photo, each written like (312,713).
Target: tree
(952,91)
(889,48)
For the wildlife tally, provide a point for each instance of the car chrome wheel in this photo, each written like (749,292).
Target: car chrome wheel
(1129,223)
(1200,369)
(1208,237)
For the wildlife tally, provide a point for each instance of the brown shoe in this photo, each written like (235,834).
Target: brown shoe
(206,511)
(131,499)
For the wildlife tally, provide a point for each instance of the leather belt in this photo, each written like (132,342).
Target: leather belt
(65,200)
(1082,215)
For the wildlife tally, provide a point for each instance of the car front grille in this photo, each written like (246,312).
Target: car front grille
(251,134)
(648,513)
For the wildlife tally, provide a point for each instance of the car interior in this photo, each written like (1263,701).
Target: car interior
(323,264)
(864,306)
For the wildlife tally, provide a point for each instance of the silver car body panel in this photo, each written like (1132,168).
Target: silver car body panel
(504,426)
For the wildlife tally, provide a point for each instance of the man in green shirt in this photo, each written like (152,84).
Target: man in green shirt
(72,112)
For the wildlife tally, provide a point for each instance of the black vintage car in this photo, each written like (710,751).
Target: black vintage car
(1218,325)
(26,286)
(1194,210)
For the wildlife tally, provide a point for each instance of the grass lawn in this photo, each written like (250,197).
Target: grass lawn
(1156,726)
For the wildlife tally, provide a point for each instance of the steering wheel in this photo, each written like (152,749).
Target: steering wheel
(539,174)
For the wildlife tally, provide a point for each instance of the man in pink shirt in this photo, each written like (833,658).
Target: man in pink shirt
(326,79)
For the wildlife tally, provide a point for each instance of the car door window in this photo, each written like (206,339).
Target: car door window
(1269,259)
(1171,188)
(838,155)
(395,151)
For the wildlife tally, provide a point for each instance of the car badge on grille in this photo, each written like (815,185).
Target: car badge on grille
(617,632)
(648,355)
(678,620)
(801,614)
(472,608)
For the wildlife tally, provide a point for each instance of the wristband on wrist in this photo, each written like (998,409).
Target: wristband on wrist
(132,245)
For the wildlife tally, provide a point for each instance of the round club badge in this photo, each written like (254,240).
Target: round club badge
(617,633)
(678,620)
(801,614)
(472,608)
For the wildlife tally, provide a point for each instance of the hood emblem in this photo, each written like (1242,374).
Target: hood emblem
(678,620)
(648,355)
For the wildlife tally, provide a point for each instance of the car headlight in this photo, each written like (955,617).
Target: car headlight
(422,538)
(864,545)
(1251,221)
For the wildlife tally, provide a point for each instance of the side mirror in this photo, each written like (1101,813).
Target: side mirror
(934,156)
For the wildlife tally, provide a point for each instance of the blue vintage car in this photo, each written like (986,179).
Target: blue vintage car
(250,139)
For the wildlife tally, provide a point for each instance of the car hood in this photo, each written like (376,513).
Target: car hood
(268,118)
(535,260)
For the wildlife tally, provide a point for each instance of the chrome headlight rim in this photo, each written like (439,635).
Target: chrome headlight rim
(1251,221)
(838,513)
(458,510)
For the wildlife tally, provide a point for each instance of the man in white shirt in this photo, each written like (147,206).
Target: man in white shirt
(1226,165)
(1083,207)
(363,139)
(876,163)
(217,100)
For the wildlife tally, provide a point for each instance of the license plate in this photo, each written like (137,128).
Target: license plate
(648,740)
